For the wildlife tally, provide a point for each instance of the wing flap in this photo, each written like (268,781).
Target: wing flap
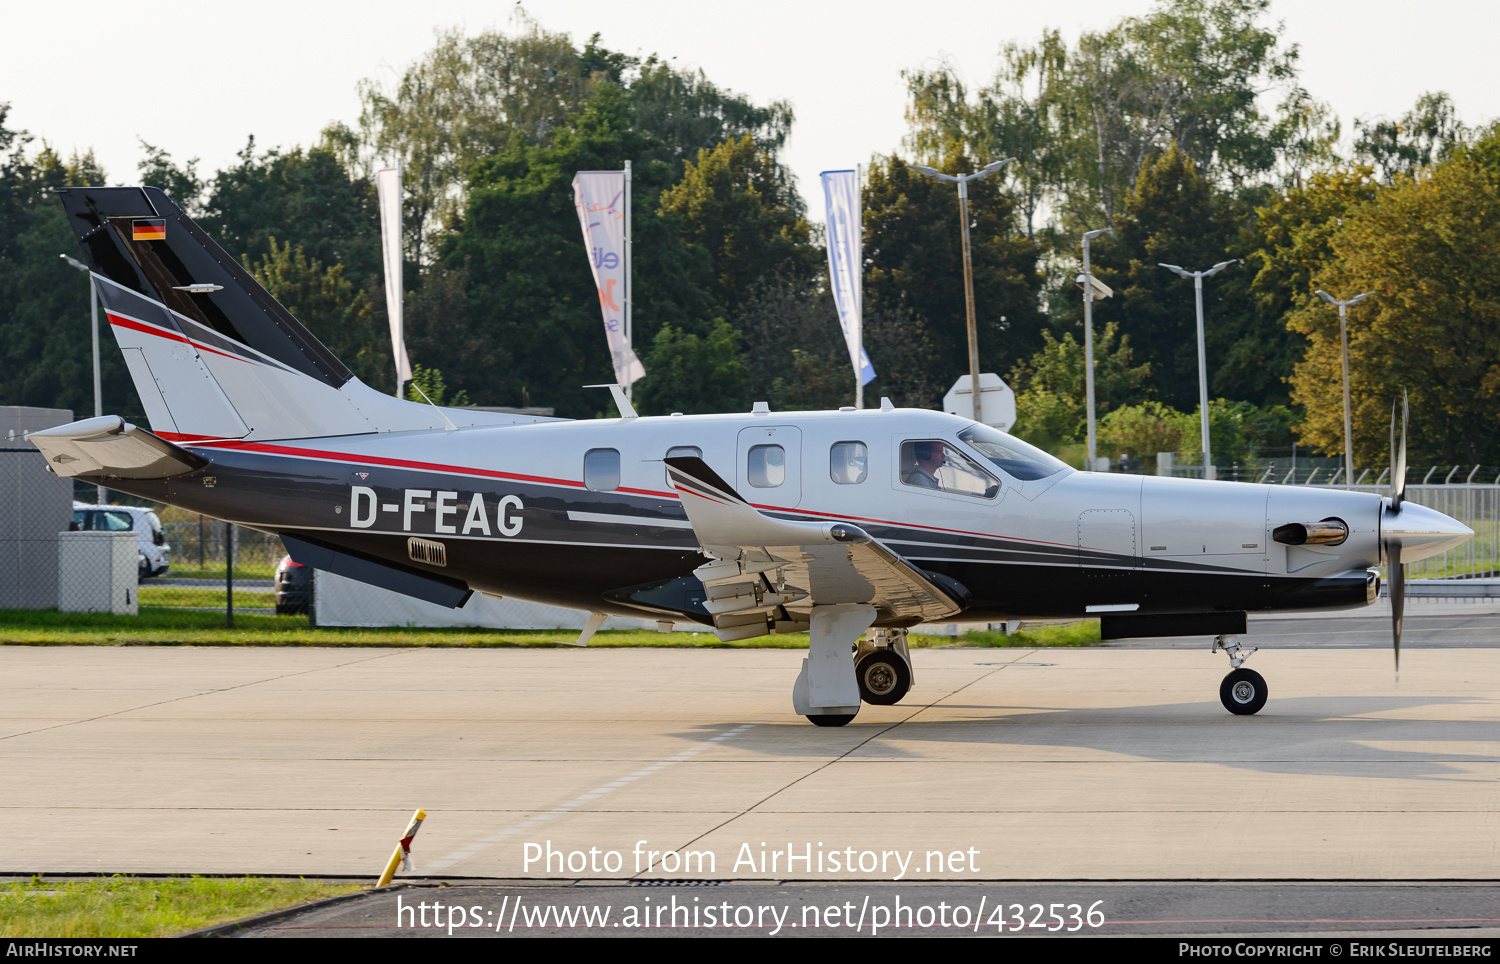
(108,447)
(767,574)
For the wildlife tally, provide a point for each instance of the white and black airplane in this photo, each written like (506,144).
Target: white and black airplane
(844,524)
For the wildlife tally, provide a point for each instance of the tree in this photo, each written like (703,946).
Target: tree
(1430,250)
(1172,216)
(181,184)
(737,204)
(1051,392)
(44,303)
(1425,135)
(304,198)
(472,97)
(336,310)
(695,375)
(913,247)
(1288,241)
(1086,121)
(530,298)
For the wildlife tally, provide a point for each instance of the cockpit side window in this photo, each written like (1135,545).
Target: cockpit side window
(934,464)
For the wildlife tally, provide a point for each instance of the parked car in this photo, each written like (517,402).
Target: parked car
(155,555)
(294,588)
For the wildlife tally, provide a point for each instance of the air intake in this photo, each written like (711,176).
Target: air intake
(427,551)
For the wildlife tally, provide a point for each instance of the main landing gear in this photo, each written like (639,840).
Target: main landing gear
(832,687)
(1243,692)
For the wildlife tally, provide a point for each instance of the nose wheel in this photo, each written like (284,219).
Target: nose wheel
(1243,692)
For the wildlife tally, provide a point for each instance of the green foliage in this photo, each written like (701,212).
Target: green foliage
(1430,250)
(1051,391)
(1427,134)
(303,198)
(737,204)
(473,97)
(914,248)
(45,344)
(125,907)
(1171,216)
(1142,431)
(1238,431)
(181,184)
(694,375)
(1087,120)
(530,298)
(435,389)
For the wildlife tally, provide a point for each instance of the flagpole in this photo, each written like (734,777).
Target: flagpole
(629,341)
(859,292)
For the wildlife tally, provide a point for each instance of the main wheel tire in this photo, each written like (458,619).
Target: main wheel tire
(1243,692)
(830,719)
(884,678)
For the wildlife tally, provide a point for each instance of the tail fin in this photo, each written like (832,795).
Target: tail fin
(211,353)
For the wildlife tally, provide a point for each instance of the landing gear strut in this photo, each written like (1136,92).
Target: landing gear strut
(1243,692)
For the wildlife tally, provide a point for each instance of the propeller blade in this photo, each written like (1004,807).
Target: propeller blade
(1397,571)
(1398,473)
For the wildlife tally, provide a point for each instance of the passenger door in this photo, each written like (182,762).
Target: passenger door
(768,466)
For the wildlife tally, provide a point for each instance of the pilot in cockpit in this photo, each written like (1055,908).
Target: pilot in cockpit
(925,460)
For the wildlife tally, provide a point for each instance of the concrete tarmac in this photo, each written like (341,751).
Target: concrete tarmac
(565,764)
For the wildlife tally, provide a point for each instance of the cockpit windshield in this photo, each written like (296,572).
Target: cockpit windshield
(1021,461)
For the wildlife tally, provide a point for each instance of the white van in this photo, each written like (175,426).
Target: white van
(155,555)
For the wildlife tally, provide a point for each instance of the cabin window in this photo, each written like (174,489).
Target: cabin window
(766,466)
(682,451)
(601,470)
(931,464)
(848,462)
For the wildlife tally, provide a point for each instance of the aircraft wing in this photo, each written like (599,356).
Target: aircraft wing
(766,574)
(108,447)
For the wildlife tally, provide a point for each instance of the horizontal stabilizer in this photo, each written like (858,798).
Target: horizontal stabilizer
(108,447)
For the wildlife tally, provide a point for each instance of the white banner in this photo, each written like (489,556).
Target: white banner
(388,190)
(845,237)
(599,197)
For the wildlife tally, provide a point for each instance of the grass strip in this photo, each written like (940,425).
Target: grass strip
(178,627)
(129,907)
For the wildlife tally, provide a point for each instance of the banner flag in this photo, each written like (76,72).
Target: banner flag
(388,192)
(845,238)
(599,197)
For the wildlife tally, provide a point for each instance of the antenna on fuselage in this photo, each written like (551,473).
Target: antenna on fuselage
(447,425)
(622,401)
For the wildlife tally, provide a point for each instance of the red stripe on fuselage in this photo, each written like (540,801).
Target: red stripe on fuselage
(569,483)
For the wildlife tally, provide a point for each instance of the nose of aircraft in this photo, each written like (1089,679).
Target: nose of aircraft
(1421,531)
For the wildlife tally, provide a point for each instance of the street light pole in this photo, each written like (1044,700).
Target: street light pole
(1088,334)
(1343,307)
(963,215)
(94,314)
(1198,276)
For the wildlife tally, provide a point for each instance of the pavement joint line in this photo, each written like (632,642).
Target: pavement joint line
(570,807)
(207,692)
(859,745)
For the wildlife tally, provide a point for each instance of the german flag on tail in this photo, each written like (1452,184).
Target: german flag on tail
(148,229)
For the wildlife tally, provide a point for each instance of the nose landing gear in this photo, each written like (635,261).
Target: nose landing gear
(1243,692)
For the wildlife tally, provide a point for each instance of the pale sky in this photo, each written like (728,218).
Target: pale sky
(198,78)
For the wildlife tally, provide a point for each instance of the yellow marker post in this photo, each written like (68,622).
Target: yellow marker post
(403,848)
